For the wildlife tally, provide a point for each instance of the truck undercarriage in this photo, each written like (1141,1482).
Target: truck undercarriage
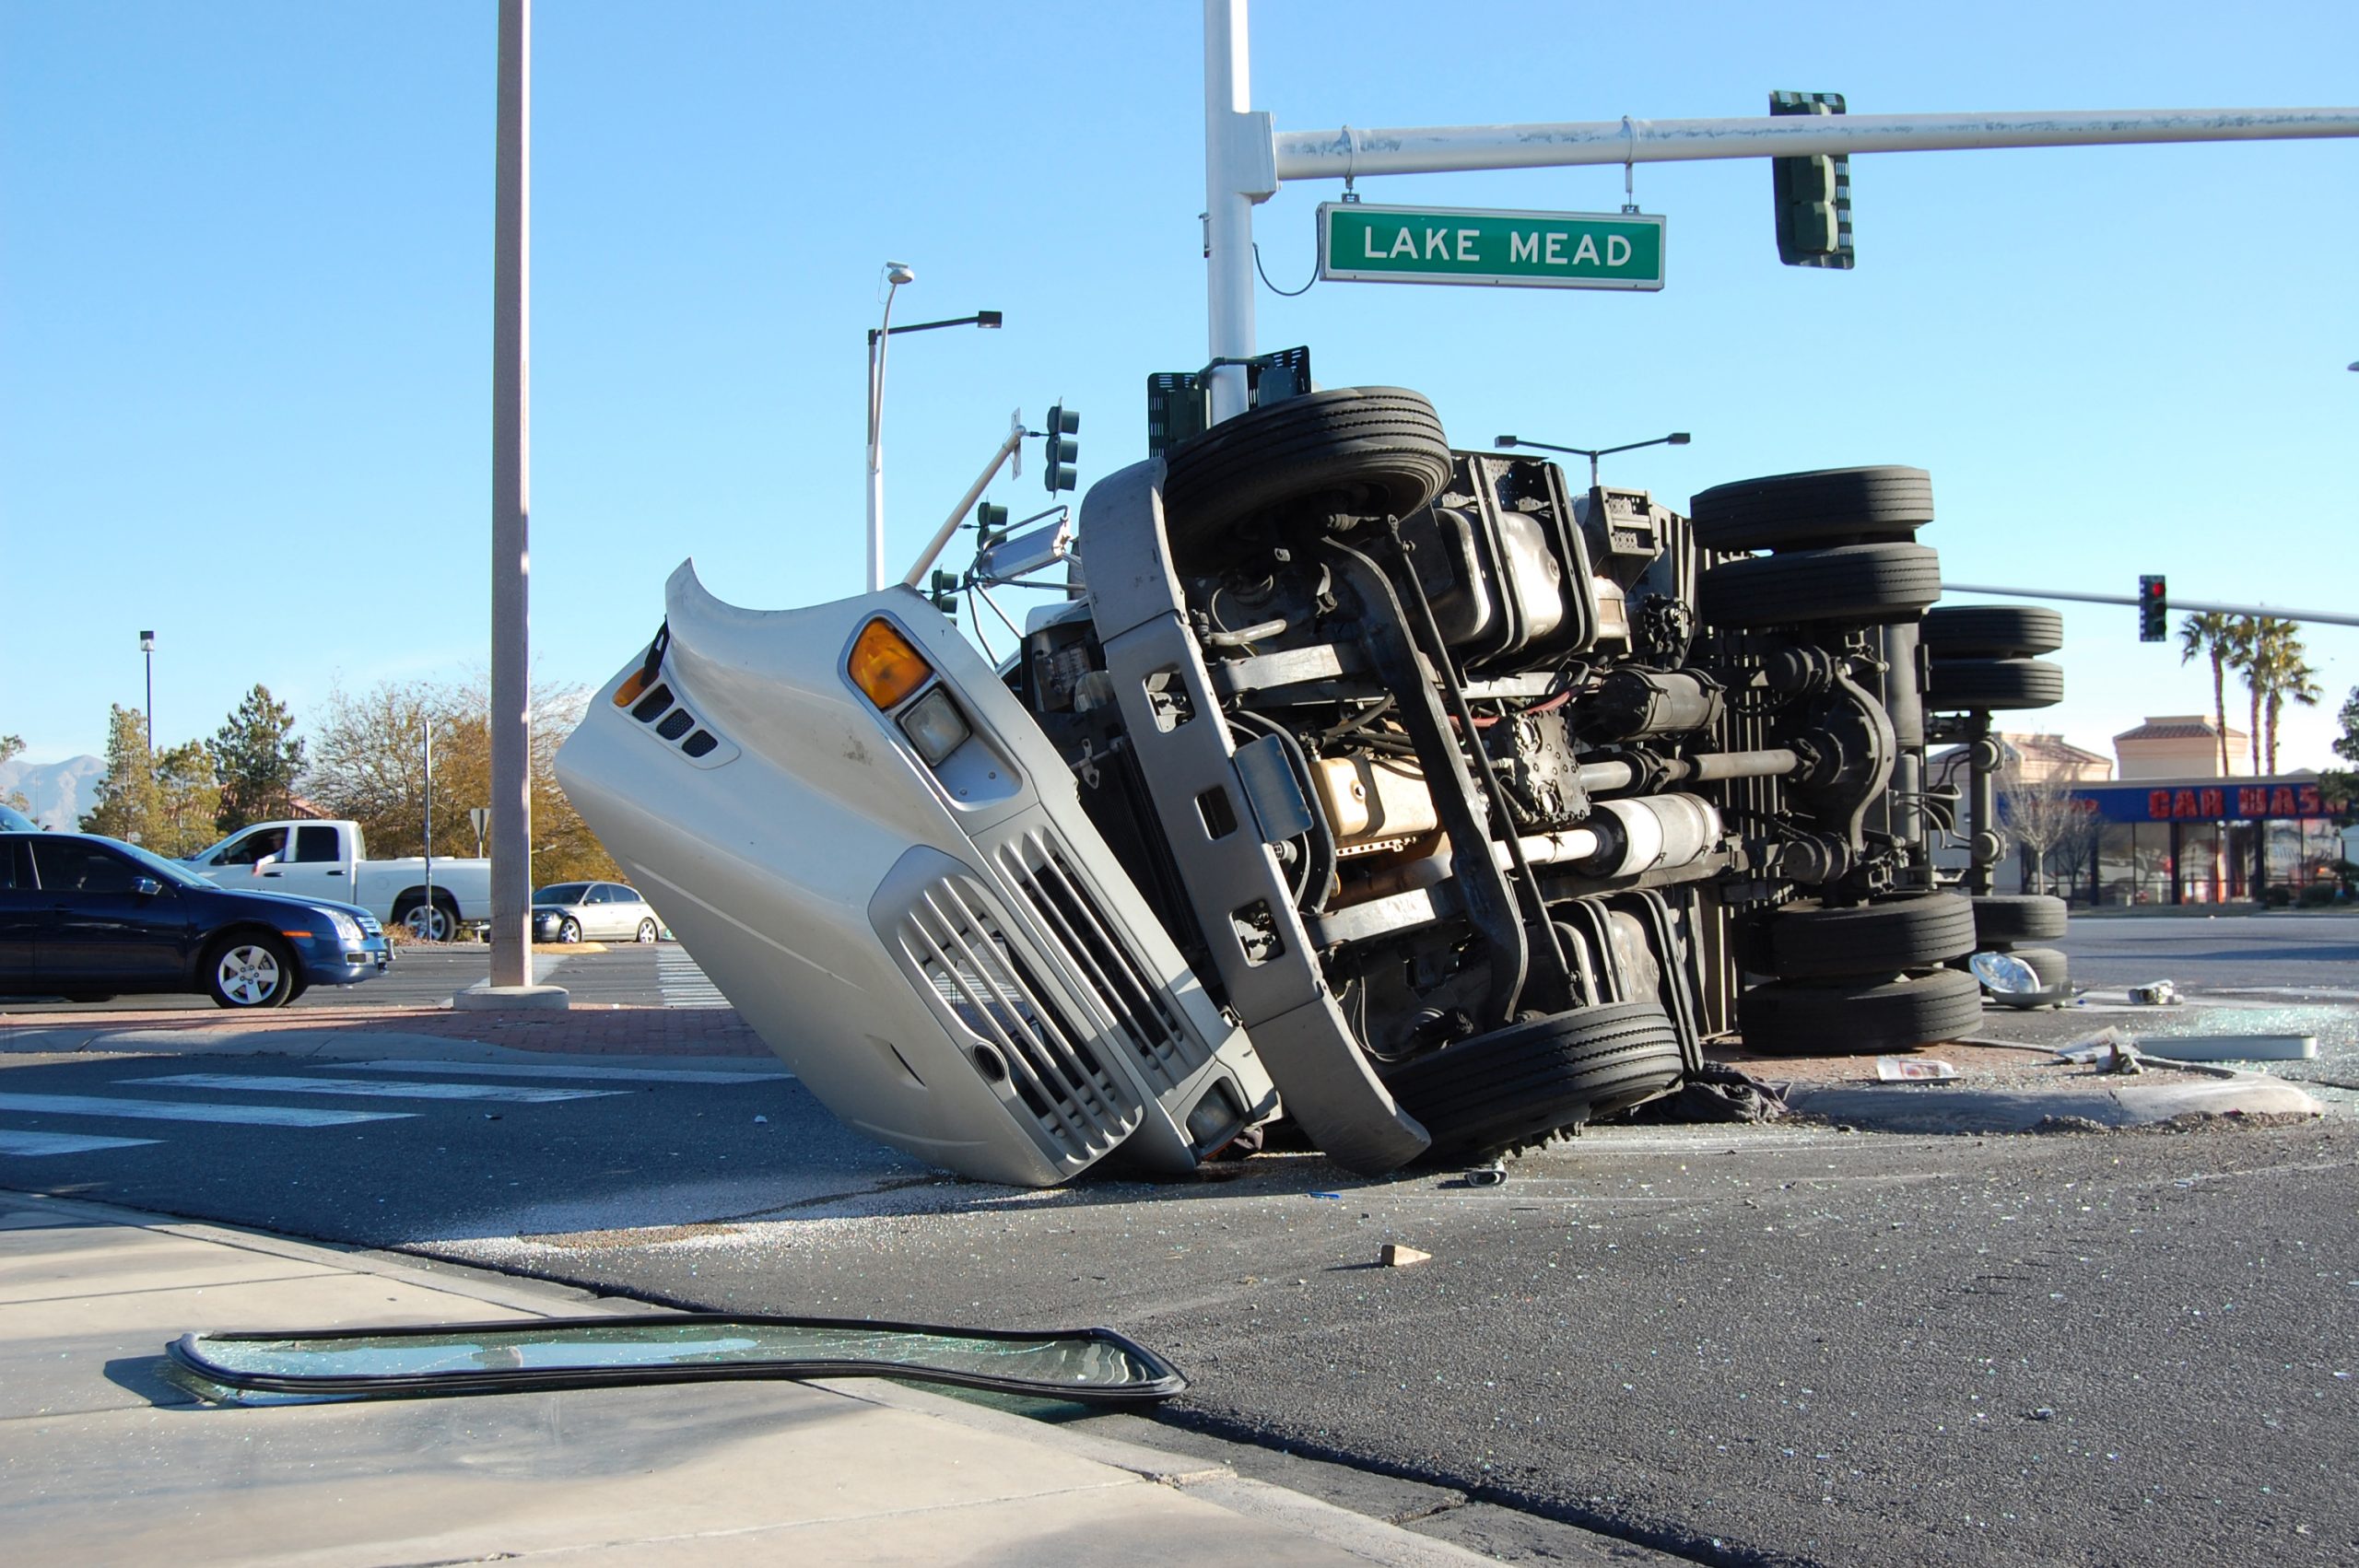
(1405,791)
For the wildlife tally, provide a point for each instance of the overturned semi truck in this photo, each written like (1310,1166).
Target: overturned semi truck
(1405,792)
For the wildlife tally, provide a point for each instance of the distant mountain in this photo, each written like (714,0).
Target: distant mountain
(59,792)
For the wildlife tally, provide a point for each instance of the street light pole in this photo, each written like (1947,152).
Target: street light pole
(1676,438)
(148,651)
(879,337)
(896,275)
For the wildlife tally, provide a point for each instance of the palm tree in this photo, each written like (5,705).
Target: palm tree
(2244,657)
(2281,671)
(2212,635)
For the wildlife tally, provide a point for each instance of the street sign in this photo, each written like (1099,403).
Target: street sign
(1359,244)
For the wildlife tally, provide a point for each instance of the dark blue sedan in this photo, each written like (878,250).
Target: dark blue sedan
(86,917)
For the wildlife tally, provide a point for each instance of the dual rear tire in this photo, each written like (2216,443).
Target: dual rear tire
(1862,978)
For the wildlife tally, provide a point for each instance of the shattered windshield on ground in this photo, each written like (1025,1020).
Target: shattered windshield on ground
(1091,1364)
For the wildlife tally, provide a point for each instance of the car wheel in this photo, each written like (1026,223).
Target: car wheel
(428,922)
(1527,1080)
(1991,631)
(1968,685)
(1910,931)
(569,929)
(1872,583)
(250,972)
(1363,451)
(1830,506)
(2003,917)
(1859,1017)
(646,931)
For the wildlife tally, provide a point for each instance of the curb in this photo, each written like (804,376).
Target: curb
(1940,1109)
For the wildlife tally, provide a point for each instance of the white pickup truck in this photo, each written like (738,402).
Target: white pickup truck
(327,859)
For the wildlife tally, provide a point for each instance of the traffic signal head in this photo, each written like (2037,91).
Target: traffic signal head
(1057,462)
(945,593)
(990,526)
(2153,610)
(1814,195)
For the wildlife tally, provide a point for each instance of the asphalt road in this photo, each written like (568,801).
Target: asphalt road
(1776,1344)
(421,976)
(2315,953)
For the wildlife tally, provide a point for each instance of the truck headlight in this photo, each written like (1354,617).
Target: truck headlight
(347,930)
(934,725)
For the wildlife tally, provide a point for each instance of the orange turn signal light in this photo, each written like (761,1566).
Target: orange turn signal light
(633,684)
(884,666)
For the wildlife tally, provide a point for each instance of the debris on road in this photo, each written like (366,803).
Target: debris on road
(1396,1255)
(2158,993)
(2236,1047)
(1914,1070)
(1493,1175)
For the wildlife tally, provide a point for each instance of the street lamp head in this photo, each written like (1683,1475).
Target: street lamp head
(147,642)
(1679,438)
(987,318)
(900,273)
(1504,442)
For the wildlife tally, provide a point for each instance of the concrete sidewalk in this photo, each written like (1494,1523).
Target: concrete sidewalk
(103,1461)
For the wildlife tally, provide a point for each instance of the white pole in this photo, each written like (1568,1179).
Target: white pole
(875,470)
(511,735)
(879,342)
(1228,210)
(1441,149)
(1007,449)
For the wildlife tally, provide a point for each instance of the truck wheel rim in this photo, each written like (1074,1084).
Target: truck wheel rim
(248,975)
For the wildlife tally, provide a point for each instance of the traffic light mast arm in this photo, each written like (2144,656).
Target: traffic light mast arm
(1447,149)
(966,502)
(2323,617)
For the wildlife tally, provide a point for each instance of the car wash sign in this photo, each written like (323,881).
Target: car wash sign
(1358,243)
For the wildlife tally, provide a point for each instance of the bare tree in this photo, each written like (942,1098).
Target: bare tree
(2047,818)
(367,762)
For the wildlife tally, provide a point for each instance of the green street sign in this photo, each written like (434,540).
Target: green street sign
(1358,243)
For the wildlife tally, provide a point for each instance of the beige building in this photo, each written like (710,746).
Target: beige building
(2040,759)
(2183,745)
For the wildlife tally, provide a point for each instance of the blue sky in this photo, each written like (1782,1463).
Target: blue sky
(245,261)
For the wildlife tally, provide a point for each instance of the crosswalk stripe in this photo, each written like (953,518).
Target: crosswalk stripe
(683,983)
(191,1110)
(22,1143)
(618,1074)
(516,1094)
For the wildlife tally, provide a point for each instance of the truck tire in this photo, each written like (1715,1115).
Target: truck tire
(2000,918)
(1828,506)
(1859,1017)
(1874,584)
(1908,932)
(1368,452)
(1991,631)
(1967,686)
(1527,1080)
(248,971)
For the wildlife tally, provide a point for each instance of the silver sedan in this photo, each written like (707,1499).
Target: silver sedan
(593,911)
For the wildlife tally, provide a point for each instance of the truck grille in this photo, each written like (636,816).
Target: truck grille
(1025,1044)
(1139,1013)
